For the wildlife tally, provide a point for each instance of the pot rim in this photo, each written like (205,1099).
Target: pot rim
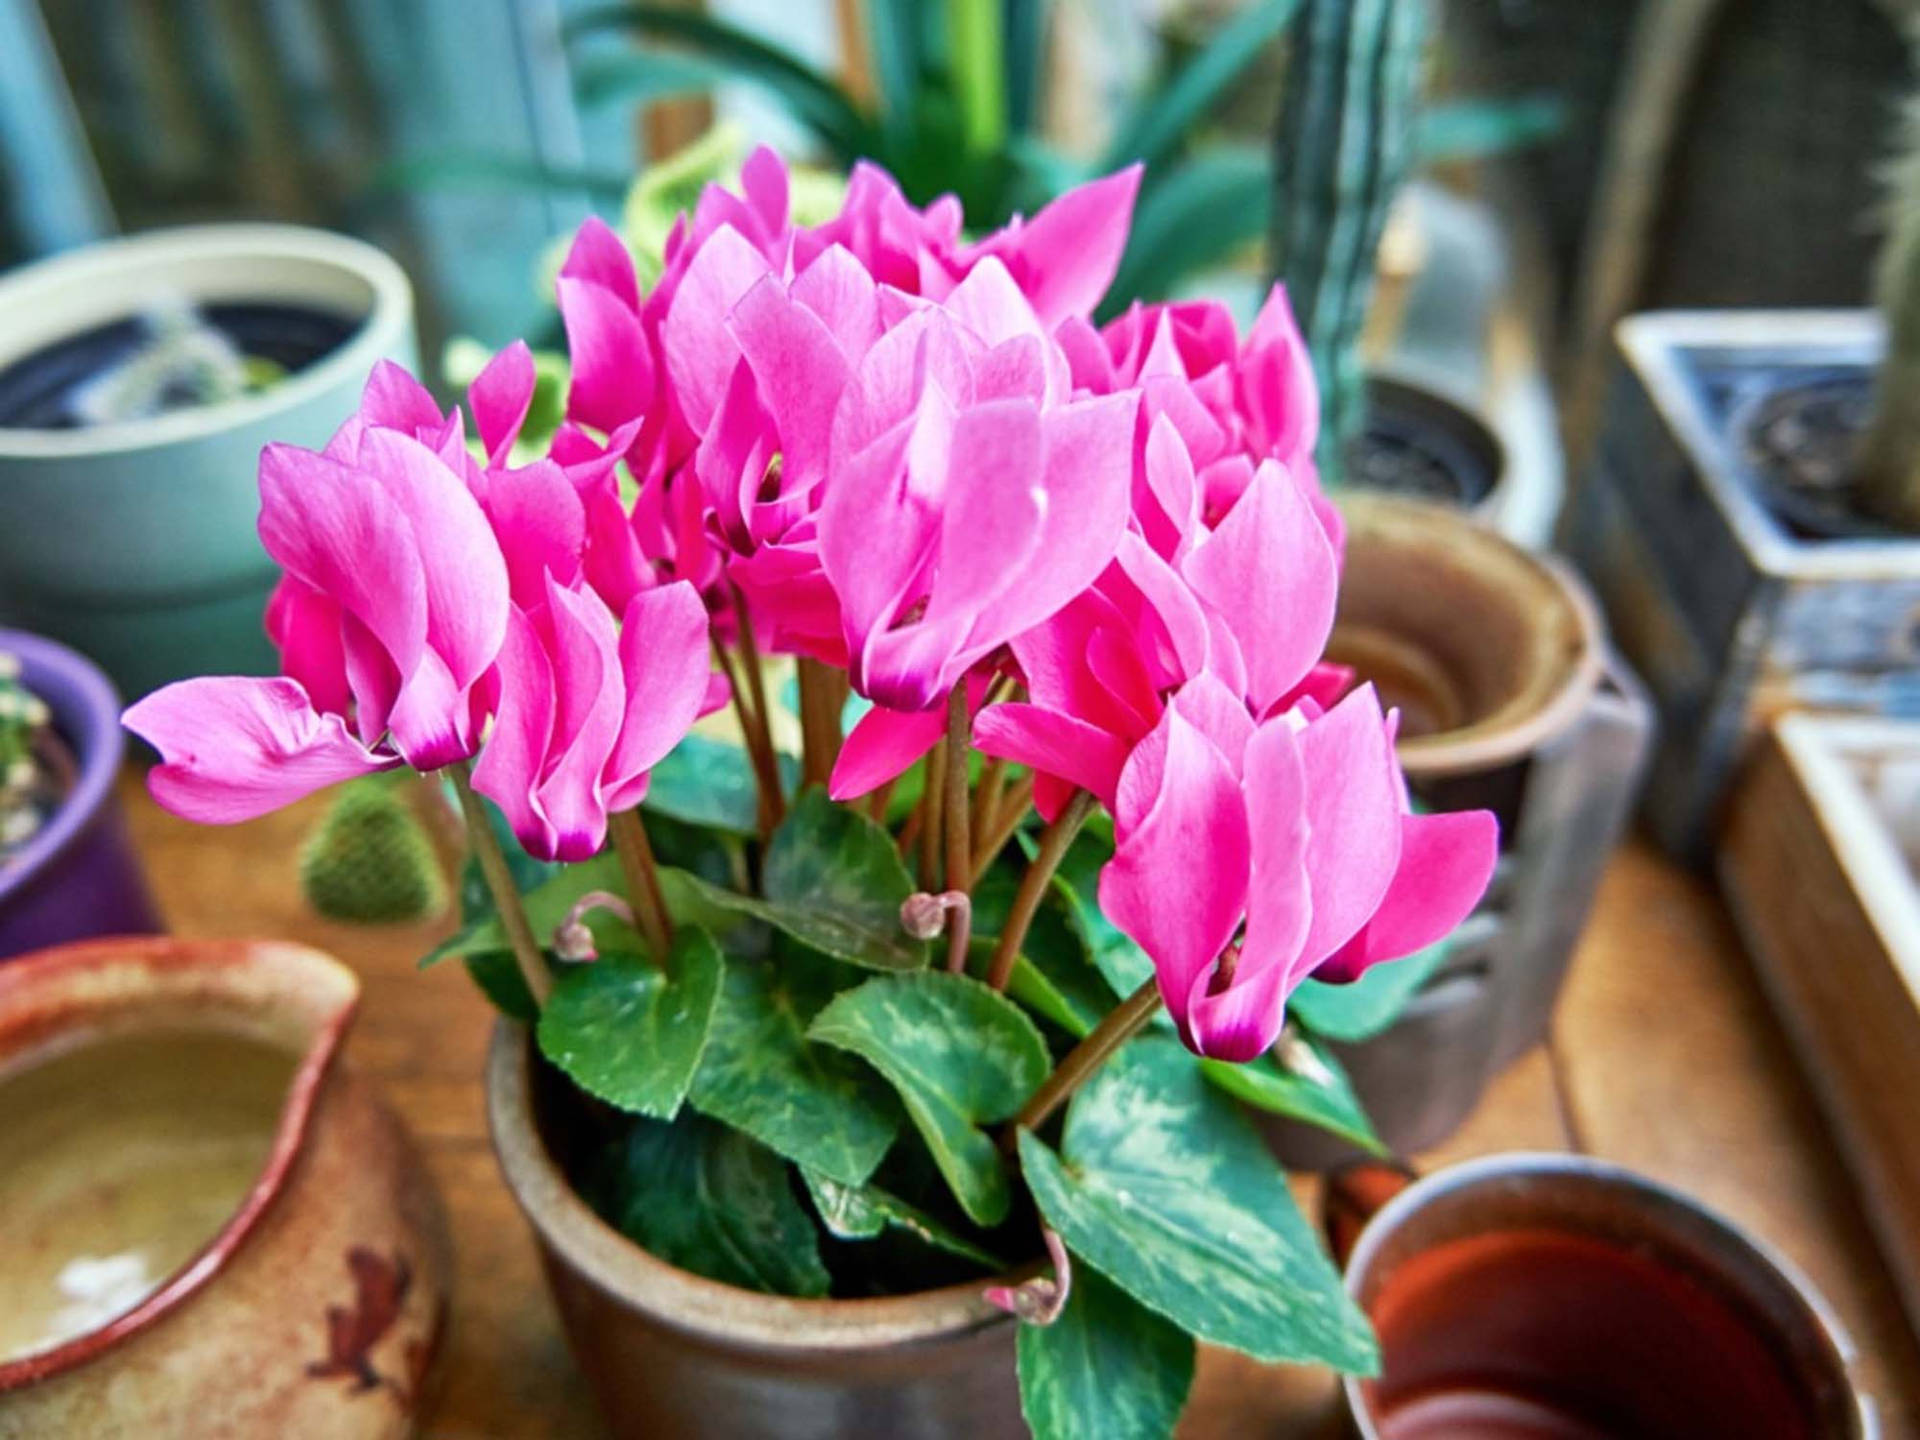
(46,970)
(1543,710)
(388,314)
(86,710)
(1484,1170)
(695,1306)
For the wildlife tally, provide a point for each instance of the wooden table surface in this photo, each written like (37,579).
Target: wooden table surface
(1664,1058)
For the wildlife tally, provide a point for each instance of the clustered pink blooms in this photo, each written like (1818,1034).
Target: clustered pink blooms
(878,445)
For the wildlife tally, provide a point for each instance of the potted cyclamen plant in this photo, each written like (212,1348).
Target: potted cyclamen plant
(791,1150)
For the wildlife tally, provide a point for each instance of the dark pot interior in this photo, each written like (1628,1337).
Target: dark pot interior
(37,391)
(1422,446)
(1797,431)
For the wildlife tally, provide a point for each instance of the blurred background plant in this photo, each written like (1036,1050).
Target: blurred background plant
(370,860)
(34,770)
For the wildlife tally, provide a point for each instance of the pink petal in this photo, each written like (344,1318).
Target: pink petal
(882,745)
(1217,713)
(664,653)
(541,526)
(1066,255)
(1054,743)
(1446,862)
(305,626)
(499,397)
(1353,818)
(993,511)
(1178,880)
(591,696)
(1274,386)
(1280,907)
(800,369)
(235,748)
(700,352)
(613,372)
(599,258)
(510,764)
(1271,572)
(394,400)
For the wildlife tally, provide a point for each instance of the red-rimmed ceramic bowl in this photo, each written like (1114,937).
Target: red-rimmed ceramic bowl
(211,1226)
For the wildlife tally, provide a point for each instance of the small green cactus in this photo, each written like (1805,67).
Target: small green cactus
(1889,484)
(1344,146)
(370,861)
(27,786)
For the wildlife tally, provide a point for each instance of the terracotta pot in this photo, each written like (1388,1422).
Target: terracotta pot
(151,1088)
(670,1354)
(1509,700)
(1558,1295)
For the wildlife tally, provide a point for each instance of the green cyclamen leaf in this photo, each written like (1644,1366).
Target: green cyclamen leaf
(834,880)
(626,1032)
(761,1073)
(710,783)
(861,1212)
(1123,963)
(1163,1186)
(1055,976)
(1312,1087)
(1362,1009)
(1107,1369)
(960,1056)
(711,1200)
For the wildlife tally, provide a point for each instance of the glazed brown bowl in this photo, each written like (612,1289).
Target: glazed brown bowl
(1559,1297)
(670,1354)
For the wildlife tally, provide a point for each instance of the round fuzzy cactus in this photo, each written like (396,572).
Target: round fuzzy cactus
(27,786)
(370,861)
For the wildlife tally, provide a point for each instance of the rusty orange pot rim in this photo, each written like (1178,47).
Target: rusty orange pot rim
(722,1315)
(23,1029)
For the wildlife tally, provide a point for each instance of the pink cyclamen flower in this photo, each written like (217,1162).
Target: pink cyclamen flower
(392,609)
(1248,858)
(587,708)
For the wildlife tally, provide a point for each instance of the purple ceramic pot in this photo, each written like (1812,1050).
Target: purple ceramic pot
(78,877)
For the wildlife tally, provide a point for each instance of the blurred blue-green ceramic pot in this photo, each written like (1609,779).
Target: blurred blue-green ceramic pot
(134,541)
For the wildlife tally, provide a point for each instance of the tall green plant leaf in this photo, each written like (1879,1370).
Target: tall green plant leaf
(1313,1089)
(761,1073)
(960,1056)
(977,49)
(710,782)
(815,101)
(1024,25)
(1158,127)
(1200,214)
(1108,1369)
(1164,1187)
(712,1201)
(623,1030)
(641,76)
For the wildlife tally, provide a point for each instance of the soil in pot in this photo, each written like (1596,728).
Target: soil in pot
(1799,432)
(1419,446)
(144,365)
(119,1162)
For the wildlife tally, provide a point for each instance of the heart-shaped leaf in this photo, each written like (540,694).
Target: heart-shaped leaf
(710,783)
(1365,1007)
(1301,1080)
(834,880)
(861,1212)
(960,1055)
(1164,1187)
(762,1074)
(1055,976)
(630,1034)
(1124,964)
(711,1200)
(1107,1369)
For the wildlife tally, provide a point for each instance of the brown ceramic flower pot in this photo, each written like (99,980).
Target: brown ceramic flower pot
(1509,700)
(211,1226)
(670,1354)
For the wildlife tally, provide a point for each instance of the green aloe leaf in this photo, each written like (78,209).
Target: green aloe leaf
(761,1073)
(715,1202)
(1159,126)
(862,1212)
(1164,1187)
(1362,1009)
(960,1055)
(814,99)
(1310,1086)
(1108,1369)
(710,783)
(641,77)
(834,880)
(626,1032)
(1213,205)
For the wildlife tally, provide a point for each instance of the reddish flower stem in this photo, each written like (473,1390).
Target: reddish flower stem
(643,882)
(959,836)
(774,803)
(1054,844)
(506,895)
(1120,1025)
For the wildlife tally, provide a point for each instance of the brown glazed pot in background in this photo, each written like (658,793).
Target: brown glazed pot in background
(318,1308)
(1510,700)
(1559,1295)
(670,1354)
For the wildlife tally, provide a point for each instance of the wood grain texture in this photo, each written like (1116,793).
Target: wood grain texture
(1669,1059)
(1831,913)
